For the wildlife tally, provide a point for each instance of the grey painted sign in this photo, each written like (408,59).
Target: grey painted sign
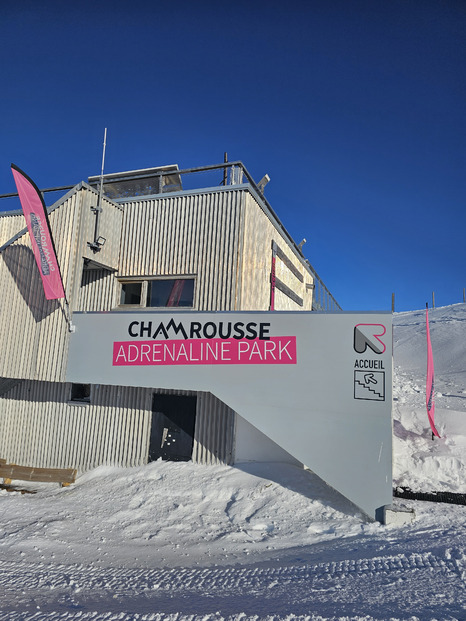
(318,384)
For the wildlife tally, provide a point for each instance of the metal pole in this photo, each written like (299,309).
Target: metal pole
(433,299)
(225,172)
(102,170)
(464,296)
(95,245)
(393,302)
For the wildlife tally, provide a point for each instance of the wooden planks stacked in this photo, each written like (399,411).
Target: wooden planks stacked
(8,472)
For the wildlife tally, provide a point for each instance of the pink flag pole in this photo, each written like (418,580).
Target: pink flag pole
(430,403)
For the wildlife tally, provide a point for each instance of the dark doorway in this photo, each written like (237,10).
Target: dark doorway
(172,430)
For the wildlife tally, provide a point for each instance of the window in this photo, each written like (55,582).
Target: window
(158,293)
(81,393)
(170,292)
(131,293)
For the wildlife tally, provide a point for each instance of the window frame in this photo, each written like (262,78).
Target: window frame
(127,282)
(145,280)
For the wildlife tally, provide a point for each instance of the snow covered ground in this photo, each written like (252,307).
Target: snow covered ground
(181,541)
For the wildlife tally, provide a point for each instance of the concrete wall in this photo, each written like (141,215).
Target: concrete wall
(252,445)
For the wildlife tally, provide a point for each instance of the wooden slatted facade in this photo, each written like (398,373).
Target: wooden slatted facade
(222,237)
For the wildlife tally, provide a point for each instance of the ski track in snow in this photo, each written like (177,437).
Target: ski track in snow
(268,542)
(355,588)
(410,574)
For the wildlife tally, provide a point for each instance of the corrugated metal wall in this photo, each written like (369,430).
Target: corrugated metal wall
(99,291)
(195,234)
(214,432)
(40,427)
(110,221)
(33,330)
(10,224)
(259,232)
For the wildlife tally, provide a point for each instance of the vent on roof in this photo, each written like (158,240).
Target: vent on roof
(140,182)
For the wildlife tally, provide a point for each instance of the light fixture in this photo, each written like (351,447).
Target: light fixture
(97,244)
(262,183)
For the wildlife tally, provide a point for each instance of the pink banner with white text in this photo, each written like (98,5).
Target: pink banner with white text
(41,240)
(276,350)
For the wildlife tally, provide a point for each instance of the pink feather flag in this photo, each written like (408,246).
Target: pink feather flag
(430,403)
(37,222)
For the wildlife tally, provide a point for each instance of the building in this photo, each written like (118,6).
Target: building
(153,239)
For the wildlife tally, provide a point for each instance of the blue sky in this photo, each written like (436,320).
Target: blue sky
(355,108)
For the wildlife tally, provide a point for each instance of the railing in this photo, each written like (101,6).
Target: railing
(164,179)
(322,300)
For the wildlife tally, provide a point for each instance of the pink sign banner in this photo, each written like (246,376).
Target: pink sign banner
(276,350)
(39,231)
(430,403)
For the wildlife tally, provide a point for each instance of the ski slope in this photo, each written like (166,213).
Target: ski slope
(181,541)
(419,462)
